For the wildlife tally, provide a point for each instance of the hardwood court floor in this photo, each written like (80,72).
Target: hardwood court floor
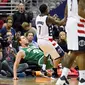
(33,81)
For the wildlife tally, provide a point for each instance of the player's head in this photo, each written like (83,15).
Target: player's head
(43,9)
(22,40)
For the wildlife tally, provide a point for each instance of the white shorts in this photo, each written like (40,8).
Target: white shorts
(75,36)
(48,48)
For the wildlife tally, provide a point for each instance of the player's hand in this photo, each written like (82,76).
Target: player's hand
(15,78)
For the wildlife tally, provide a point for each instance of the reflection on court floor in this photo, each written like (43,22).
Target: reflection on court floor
(33,81)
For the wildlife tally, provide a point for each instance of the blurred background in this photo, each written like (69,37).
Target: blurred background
(8,7)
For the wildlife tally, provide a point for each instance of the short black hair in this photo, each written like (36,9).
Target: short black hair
(43,8)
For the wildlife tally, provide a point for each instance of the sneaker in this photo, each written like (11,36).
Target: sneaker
(44,72)
(81,82)
(62,81)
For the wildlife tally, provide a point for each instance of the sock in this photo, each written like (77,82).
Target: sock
(43,67)
(65,72)
(55,71)
(82,76)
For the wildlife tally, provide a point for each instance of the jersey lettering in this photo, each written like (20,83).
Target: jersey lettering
(36,51)
(29,49)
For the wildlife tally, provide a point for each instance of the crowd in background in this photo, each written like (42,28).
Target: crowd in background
(14,26)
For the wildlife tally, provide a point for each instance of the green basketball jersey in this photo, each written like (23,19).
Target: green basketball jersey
(35,55)
(32,53)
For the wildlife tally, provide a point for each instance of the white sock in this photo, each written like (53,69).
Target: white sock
(65,72)
(82,74)
(44,67)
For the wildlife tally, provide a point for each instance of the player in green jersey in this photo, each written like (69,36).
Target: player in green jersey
(29,52)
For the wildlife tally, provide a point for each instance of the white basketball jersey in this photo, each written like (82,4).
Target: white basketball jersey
(72,8)
(42,28)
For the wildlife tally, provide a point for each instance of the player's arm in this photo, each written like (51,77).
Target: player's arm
(51,20)
(19,56)
(66,12)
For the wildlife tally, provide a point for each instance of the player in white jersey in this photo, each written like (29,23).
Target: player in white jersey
(46,43)
(75,28)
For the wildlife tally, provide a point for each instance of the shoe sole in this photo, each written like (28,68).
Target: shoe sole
(61,82)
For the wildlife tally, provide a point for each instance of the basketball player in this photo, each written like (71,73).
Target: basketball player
(31,53)
(45,41)
(75,27)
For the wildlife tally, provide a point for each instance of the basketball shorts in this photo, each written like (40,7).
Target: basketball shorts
(49,46)
(57,47)
(75,28)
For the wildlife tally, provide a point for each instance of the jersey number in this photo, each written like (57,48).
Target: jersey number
(39,30)
(71,5)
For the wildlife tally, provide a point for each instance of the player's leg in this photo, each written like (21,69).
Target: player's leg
(55,67)
(48,48)
(67,63)
(47,61)
(56,62)
(81,64)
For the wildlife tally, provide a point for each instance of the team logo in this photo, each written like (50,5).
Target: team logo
(81,43)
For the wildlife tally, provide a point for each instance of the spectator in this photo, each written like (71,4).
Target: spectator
(9,57)
(8,27)
(30,36)
(19,17)
(15,43)
(28,27)
(62,41)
